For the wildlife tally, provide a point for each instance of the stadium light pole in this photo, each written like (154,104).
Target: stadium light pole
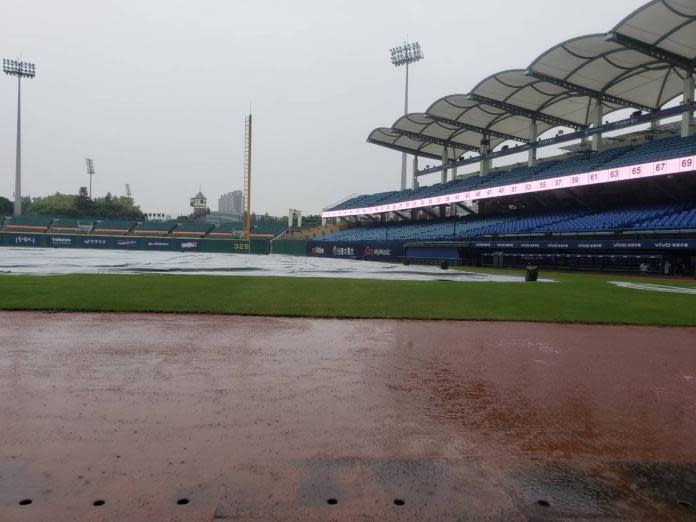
(90,173)
(405,54)
(20,70)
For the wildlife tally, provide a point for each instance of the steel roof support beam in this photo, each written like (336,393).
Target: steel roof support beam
(526,113)
(403,149)
(479,130)
(436,141)
(579,89)
(686,127)
(671,58)
(414,183)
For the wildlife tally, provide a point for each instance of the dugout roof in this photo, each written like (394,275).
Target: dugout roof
(640,64)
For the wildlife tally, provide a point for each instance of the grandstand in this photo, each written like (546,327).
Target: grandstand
(114,227)
(679,217)
(268,230)
(192,229)
(27,223)
(154,228)
(71,226)
(639,183)
(43,225)
(227,231)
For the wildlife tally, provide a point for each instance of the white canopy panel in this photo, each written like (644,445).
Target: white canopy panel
(593,62)
(520,89)
(462,109)
(669,25)
(422,124)
(387,137)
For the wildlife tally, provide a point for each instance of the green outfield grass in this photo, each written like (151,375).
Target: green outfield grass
(574,298)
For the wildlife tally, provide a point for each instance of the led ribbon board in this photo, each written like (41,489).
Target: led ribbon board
(645,170)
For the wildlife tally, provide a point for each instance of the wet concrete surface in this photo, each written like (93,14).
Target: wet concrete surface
(201,418)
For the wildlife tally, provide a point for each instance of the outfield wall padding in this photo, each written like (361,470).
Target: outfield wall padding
(230,246)
(291,247)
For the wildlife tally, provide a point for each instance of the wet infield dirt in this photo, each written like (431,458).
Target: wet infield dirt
(153,417)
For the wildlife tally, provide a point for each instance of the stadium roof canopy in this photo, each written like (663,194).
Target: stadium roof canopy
(640,64)
(603,69)
(387,137)
(664,28)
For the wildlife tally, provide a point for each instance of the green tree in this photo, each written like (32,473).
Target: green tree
(81,206)
(83,203)
(6,207)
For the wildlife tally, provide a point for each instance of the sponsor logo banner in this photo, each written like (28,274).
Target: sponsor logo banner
(376,250)
(628,244)
(26,240)
(158,244)
(60,241)
(94,242)
(126,243)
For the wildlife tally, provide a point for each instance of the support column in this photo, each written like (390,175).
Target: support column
(454,172)
(485,163)
(654,124)
(414,182)
(532,154)
(443,177)
(686,127)
(596,122)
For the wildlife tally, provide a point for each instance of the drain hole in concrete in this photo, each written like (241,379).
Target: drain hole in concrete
(183,501)
(98,503)
(25,502)
(332,501)
(543,503)
(399,501)
(684,503)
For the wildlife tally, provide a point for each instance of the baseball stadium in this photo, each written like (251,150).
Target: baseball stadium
(510,335)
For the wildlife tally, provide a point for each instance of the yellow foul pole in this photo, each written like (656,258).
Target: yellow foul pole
(247,179)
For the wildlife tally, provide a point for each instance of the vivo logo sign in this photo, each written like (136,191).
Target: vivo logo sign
(646,170)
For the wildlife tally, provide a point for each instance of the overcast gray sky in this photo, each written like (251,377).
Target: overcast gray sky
(156,91)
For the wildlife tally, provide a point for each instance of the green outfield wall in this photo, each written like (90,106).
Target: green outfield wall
(167,243)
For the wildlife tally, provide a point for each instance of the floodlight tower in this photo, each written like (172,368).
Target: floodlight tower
(20,70)
(90,172)
(405,54)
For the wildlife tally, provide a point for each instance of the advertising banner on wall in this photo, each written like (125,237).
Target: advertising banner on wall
(94,242)
(122,242)
(188,245)
(23,240)
(372,250)
(158,244)
(61,241)
(590,245)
